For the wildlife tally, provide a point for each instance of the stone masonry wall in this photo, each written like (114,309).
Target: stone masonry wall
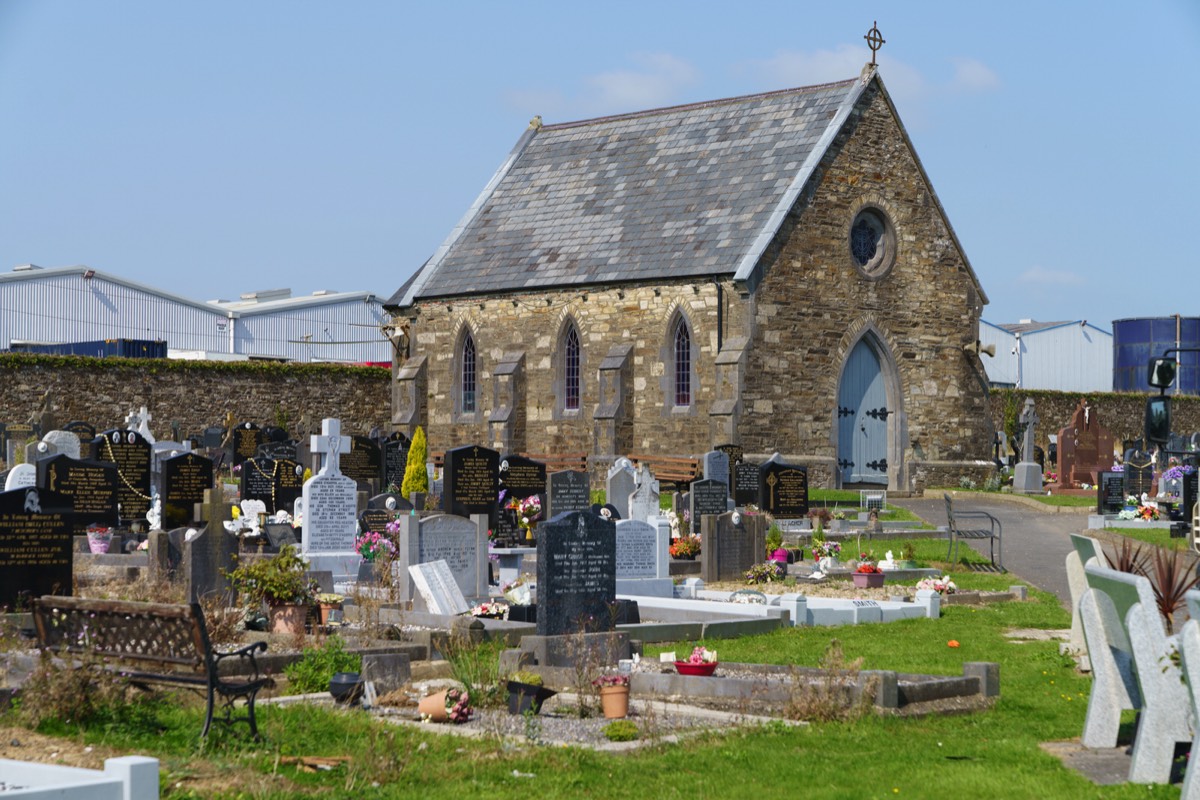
(196,394)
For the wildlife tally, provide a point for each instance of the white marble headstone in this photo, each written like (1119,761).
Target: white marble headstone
(21,476)
(437,587)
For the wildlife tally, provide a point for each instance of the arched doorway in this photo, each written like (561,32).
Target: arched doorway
(862,414)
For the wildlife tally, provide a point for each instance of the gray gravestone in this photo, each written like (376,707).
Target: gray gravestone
(643,558)
(576,574)
(716,466)
(707,498)
(568,490)
(330,520)
(1027,477)
(63,442)
(644,500)
(460,542)
(733,543)
(21,476)
(436,586)
(619,484)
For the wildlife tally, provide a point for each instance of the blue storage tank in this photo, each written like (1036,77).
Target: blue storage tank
(1136,341)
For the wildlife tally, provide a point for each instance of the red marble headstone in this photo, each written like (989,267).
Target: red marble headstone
(1085,448)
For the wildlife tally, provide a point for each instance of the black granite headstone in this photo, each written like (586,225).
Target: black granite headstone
(507,533)
(90,485)
(375,519)
(395,459)
(1110,493)
(745,483)
(568,490)
(364,462)
(576,574)
(212,437)
(279,534)
(277,450)
(246,439)
(36,532)
(83,430)
(471,482)
(522,477)
(783,489)
(736,456)
(1139,472)
(707,498)
(133,456)
(1191,484)
(184,479)
(731,548)
(391,501)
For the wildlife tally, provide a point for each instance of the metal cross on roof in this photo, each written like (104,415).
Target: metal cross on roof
(875,40)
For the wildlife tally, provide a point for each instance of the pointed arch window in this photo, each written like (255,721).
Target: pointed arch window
(467,381)
(571,387)
(683,363)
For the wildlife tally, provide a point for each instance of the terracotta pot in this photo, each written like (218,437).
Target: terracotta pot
(434,706)
(326,608)
(288,618)
(867,580)
(614,701)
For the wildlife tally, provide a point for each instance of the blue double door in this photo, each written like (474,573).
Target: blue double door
(862,416)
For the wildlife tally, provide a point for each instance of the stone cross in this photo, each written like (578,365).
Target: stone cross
(1029,419)
(140,421)
(330,444)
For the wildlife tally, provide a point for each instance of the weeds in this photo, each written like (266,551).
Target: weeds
(476,665)
(831,696)
(314,670)
(82,693)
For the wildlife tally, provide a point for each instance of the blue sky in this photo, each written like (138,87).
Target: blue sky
(214,148)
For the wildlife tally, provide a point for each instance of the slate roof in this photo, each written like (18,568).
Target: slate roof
(687,191)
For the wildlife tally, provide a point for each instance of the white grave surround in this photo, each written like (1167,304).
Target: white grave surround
(799,609)
(436,586)
(460,543)
(127,777)
(20,477)
(643,558)
(331,509)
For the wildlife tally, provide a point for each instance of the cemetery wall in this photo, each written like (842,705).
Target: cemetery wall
(196,394)
(1123,414)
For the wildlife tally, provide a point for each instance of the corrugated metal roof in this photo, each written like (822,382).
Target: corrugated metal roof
(670,193)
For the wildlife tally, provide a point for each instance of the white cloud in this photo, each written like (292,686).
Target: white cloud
(657,83)
(973,76)
(1040,276)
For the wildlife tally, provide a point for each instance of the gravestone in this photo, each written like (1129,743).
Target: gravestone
(363,463)
(63,442)
(90,485)
(1110,493)
(435,585)
(1191,493)
(783,488)
(736,456)
(395,459)
(707,498)
(643,558)
(375,519)
(22,476)
(567,490)
(576,574)
(1085,448)
(733,542)
(1139,472)
(185,478)
(139,421)
(276,482)
(277,451)
(471,482)
(745,483)
(716,467)
(246,439)
(1027,478)
(644,501)
(36,534)
(280,534)
(507,531)
(212,437)
(130,451)
(16,434)
(390,501)
(460,543)
(619,484)
(330,502)
(208,557)
(522,477)
(83,430)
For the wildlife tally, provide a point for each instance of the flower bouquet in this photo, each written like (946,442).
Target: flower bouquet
(611,679)
(825,549)
(868,575)
(702,661)
(529,510)
(491,610)
(687,547)
(451,705)
(767,572)
(867,565)
(372,545)
(941,585)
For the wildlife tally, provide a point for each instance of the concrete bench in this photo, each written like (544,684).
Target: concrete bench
(1085,549)
(1120,616)
(991,532)
(1189,651)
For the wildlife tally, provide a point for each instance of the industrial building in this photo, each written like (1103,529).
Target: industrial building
(1072,356)
(40,307)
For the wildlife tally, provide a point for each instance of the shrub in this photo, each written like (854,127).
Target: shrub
(774,539)
(79,694)
(416,478)
(766,572)
(314,670)
(621,730)
(966,483)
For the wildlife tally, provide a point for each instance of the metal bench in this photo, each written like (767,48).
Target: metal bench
(991,533)
(167,644)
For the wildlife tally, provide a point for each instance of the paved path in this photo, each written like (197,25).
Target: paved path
(1036,542)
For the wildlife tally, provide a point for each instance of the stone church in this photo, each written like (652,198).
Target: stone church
(771,271)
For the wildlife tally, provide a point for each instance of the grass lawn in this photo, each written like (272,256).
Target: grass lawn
(991,754)
(1045,499)
(1160,537)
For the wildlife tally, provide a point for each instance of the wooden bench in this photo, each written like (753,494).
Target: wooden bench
(163,643)
(676,470)
(991,532)
(577,462)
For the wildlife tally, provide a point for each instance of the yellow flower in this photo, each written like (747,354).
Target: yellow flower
(237,512)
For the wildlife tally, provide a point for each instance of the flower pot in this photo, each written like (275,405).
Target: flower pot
(828,563)
(867,580)
(614,701)
(523,697)
(780,555)
(99,542)
(688,668)
(288,618)
(434,707)
(906,564)
(346,687)
(326,608)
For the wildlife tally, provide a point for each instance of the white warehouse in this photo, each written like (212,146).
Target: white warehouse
(78,304)
(1071,356)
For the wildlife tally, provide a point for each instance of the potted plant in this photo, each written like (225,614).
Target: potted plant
(492,609)
(686,547)
(526,692)
(327,602)
(838,523)
(374,548)
(775,550)
(908,557)
(282,582)
(868,575)
(702,661)
(448,705)
(767,572)
(614,694)
(826,553)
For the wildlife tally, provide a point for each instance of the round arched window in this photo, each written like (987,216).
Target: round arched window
(872,242)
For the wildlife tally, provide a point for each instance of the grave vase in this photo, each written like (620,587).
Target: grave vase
(368,572)
(326,608)
(828,563)
(98,542)
(614,701)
